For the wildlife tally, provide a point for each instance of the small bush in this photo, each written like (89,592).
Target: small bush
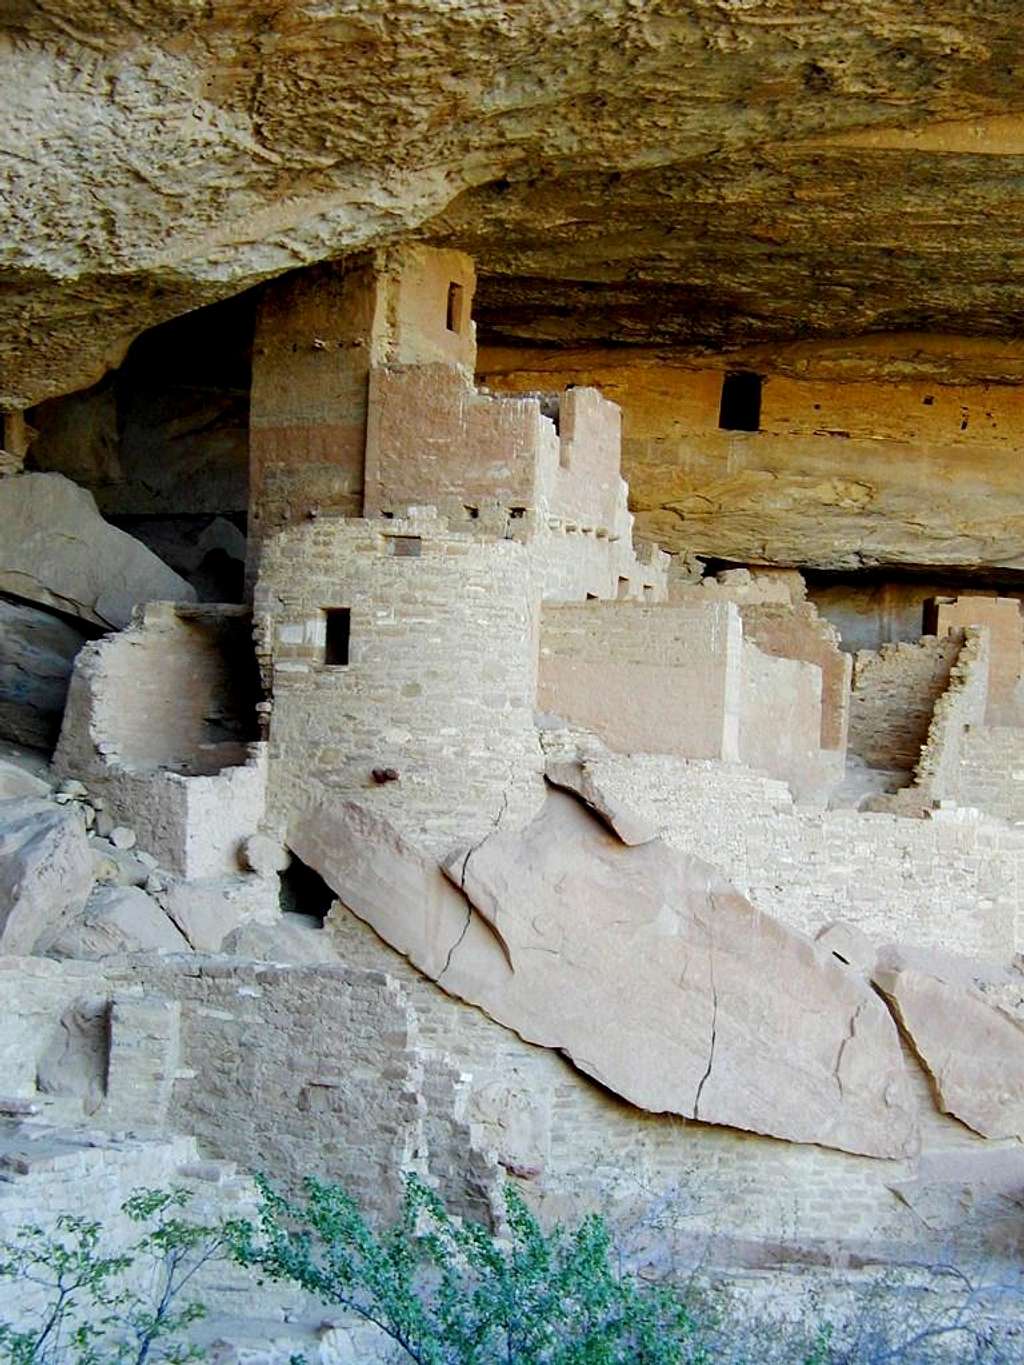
(448,1293)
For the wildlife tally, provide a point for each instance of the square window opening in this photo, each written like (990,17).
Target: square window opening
(338,622)
(740,408)
(622,589)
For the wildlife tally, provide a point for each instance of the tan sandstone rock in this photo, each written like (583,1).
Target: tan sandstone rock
(973,1051)
(644,966)
(578,777)
(55,548)
(46,873)
(119,919)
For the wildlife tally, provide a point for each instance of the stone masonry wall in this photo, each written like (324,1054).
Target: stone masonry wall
(991,772)
(440,682)
(1002,618)
(797,632)
(432,439)
(646,679)
(894,693)
(144,727)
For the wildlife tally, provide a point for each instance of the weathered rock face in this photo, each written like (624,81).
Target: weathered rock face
(743,165)
(37,653)
(119,919)
(973,1051)
(642,965)
(55,548)
(46,873)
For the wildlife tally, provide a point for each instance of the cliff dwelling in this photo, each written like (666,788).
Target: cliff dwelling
(511,646)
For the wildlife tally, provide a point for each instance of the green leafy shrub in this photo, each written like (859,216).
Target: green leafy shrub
(86,1305)
(448,1293)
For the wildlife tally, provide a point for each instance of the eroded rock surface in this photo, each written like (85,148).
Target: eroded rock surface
(973,1051)
(644,966)
(37,653)
(119,919)
(46,873)
(56,549)
(743,165)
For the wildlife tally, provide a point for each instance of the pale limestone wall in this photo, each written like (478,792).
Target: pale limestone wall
(441,680)
(894,694)
(661,678)
(940,883)
(780,721)
(146,713)
(588,486)
(571,565)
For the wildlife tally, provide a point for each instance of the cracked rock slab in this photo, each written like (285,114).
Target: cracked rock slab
(642,965)
(579,778)
(973,1051)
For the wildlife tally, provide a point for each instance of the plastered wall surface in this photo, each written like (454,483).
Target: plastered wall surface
(780,720)
(796,631)
(666,677)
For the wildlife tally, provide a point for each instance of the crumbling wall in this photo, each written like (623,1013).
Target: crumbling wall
(894,694)
(439,679)
(158,723)
(658,679)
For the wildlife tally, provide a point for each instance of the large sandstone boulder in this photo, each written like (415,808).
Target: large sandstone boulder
(973,1051)
(46,873)
(37,654)
(56,549)
(641,964)
(119,919)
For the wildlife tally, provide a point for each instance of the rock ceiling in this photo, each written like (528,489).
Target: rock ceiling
(704,172)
